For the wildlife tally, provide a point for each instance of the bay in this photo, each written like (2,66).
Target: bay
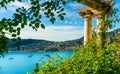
(22,62)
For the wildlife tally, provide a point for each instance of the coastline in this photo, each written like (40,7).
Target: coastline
(41,51)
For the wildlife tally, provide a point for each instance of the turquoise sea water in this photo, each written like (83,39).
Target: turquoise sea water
(22,62)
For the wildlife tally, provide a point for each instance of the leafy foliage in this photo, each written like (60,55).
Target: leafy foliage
(12,26)
(36,69)
(88,60)
(3,44)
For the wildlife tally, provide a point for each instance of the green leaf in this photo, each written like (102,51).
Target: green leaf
(42,26)
(17,10)
(19,0)
(13,35)
(61,17)
(13,30)
(35,14)
(49,11)
(64,3)
(52,14)
(18,29)
(18,38)
(37,25)
(22,25)
(4,19)
(52,20)
(30,24)
(63,13)
(25,19)
(62,9)
(18,33)
(40,16)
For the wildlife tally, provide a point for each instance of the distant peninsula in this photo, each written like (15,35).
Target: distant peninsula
(33,45)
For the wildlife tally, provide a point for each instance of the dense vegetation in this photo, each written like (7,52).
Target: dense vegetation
(88,60)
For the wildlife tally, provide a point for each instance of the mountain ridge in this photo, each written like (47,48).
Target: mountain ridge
(29,45)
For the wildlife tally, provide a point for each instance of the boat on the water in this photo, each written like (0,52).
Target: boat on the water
(30,55)
(47,55)
(11,58)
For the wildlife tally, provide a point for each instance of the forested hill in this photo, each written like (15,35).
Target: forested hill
(113,33)
(28,45)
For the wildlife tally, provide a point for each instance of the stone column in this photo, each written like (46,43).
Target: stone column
(100,30)
(87,15)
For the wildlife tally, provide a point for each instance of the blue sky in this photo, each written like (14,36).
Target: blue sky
(71,28)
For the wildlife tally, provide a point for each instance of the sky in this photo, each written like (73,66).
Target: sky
(71,28)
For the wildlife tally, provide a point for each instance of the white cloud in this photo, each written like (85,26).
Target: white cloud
(76,5)
(20,4)
(13,5)
(54,33)
(71,13)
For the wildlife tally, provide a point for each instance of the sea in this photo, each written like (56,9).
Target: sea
(22,62)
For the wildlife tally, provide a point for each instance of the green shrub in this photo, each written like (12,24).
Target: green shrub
(36,68)
(88,60)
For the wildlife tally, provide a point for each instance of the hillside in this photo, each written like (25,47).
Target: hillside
(113,33)
(28,45)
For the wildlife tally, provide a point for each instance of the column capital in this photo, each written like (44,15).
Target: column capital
(101,14)
(87,14)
